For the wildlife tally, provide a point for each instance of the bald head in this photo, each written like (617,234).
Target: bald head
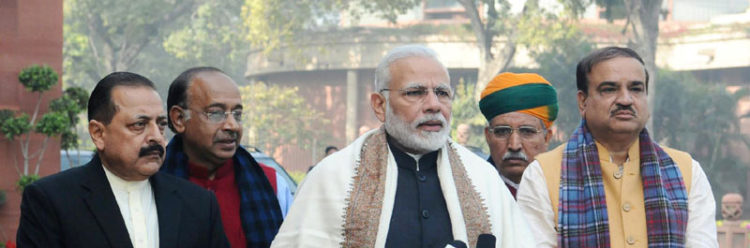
(209,118)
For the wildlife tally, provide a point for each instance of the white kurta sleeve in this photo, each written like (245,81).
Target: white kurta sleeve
(533,199)
(701,227)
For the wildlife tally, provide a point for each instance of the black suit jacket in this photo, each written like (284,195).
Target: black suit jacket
(76,208)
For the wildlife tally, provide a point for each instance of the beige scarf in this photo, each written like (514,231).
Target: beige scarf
(365,200)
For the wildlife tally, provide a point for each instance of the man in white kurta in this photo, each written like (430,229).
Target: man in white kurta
(405,184)
(534,198)
(611,185)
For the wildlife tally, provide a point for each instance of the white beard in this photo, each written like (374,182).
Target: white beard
(410,137)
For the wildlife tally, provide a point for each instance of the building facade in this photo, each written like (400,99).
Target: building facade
(30,33)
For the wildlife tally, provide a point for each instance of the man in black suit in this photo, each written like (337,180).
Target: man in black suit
(118,199)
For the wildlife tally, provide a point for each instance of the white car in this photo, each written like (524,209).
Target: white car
(74,158)
(261,157)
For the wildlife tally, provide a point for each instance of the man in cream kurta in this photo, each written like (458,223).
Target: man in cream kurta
(611,185)
(405,184)
(538,182)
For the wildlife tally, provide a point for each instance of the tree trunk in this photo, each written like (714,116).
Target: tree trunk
(122,54)
(643,16)
(489,67)
(483,27)
(41,155)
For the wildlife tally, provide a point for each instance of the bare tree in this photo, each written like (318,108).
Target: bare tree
(643,22)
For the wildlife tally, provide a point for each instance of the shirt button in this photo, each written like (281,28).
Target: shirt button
(618,174)
(626,207)
(631,240)
(425,214)
(422,178)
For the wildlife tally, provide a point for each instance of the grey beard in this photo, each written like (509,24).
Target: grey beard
(410,137)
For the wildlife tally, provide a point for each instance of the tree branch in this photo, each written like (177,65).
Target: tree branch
(36,109)
(96,30)
(96,75)
(15,163)
(41,155)
(24,151)
(130,48)
(489,27)
(477,26)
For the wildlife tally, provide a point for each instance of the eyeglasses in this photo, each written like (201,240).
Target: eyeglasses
(221,116)
(419,93)
(526,132)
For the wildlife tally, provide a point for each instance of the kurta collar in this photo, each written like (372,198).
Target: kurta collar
(118,183)
(200,171)
(410,161)
(509,182)
(634,155)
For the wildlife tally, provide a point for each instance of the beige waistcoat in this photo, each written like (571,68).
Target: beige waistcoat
(625,205)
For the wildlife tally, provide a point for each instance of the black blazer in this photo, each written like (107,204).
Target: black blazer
(76,208)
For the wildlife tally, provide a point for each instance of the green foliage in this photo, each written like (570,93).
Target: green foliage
(5,114)
(68,139)
(71,104)
(26,180)
(73,101)
(385,9)
(273,24)
(79,61)
(679,122)
(276,115)
(213,29)
(60,119)
(556,45)
(613,9)
(38,78)
(2,197)
(541,32)
(16,126)
(100,38)
(64,104)
(466,110)
(52,123)
(557,58)
(79,95)
(270,24)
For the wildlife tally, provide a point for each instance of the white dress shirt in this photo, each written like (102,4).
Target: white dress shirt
(533,198)
(509,182)
(138,208)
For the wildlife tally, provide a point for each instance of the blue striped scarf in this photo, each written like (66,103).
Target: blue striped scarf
(259,208)
(583,220)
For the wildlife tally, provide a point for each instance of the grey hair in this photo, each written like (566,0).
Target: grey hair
(383,72)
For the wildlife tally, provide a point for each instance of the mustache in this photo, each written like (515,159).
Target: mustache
(515,155)
(429,117)
(226,135)
(146,151)
(623,107)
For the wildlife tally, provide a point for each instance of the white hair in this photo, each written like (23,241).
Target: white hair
(383,72)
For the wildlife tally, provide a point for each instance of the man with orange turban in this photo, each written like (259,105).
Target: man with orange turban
(520,108)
